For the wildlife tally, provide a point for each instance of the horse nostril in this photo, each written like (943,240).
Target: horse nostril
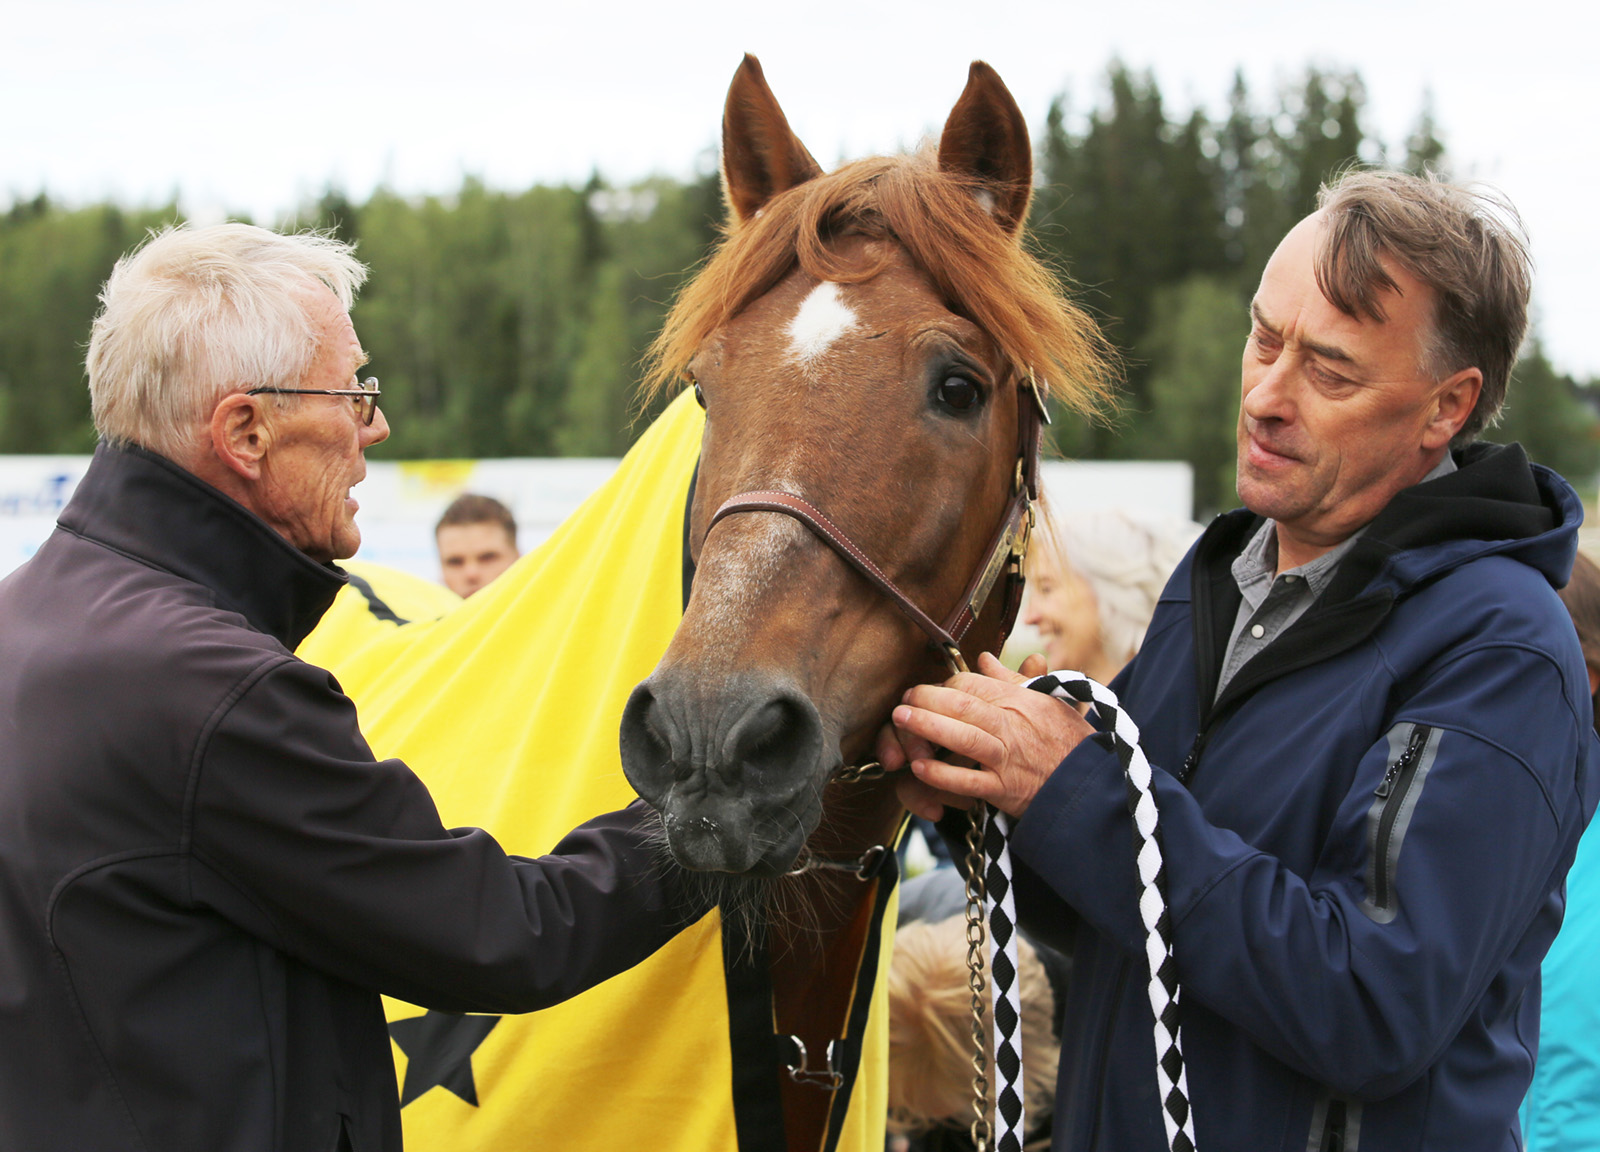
(732,766)
(764,726)
(774,741)
(647,746)
(769,745)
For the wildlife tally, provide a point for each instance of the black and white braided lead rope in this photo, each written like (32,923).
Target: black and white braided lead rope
(1000,907)
(1171,1078)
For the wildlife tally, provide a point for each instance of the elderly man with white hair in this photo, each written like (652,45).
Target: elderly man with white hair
(206,879)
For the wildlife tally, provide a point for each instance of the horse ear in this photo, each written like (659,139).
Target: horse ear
(761,156)
(986,139)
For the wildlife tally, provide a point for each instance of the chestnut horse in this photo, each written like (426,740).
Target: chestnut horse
(866,343)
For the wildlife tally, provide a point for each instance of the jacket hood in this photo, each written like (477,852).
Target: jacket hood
(145,506)
(1495,502)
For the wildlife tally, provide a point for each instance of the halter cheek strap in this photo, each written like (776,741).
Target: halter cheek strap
(1006,551)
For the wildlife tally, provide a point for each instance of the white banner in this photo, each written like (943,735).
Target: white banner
(33,491)
(401,501)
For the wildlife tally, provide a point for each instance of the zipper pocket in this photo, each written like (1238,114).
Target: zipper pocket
(1405,764)
(1394,801)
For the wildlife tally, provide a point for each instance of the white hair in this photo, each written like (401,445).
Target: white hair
(1126,557)
(196,314)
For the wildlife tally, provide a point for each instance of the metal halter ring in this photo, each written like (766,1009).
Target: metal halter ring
(852,773)
(863,867)
(826,1077)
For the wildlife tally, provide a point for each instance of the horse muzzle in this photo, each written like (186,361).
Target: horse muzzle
(736,770)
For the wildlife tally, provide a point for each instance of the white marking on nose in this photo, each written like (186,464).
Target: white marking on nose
(823,318)
(736,579)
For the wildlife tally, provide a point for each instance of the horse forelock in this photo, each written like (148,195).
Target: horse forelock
(940,220)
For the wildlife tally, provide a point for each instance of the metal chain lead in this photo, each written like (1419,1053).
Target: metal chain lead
(853,773)
(981,1130)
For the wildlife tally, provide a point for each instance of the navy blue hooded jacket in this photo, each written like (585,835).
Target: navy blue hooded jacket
(1365,836)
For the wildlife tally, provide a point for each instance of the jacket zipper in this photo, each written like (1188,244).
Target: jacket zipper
(1201,738)
(1393,789)
(1186,769)
(1407,762)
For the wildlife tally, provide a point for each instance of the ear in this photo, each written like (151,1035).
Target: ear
(986,139)
(1454,402)
(240,436)
(761,156)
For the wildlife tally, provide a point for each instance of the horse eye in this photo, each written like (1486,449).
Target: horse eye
(699,395)
(958,394)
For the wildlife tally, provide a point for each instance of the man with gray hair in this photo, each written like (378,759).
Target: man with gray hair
(1367,717)
(206,878)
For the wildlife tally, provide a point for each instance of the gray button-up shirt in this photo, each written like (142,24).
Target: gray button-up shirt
(1272,603)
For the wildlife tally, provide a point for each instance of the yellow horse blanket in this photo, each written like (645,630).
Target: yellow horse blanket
(508,705)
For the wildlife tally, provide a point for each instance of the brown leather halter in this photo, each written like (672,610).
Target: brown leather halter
(1005,554)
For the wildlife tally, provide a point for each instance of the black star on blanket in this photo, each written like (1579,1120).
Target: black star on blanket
(439,1048)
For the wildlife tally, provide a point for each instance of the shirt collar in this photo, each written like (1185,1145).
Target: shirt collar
(1255,568)
(1444,467)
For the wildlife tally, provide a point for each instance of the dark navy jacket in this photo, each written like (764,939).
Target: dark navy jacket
(205,877)
(1365,838)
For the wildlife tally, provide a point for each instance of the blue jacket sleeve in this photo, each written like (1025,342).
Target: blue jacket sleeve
(1359,1002)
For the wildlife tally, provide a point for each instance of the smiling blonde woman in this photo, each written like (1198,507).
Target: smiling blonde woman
(1094,576)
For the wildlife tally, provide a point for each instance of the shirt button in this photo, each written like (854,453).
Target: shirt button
(1257,631)
(1290,579)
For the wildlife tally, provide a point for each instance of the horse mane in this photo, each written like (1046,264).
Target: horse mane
(939,219)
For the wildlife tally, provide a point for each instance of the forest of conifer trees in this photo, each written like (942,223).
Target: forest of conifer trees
(513,322)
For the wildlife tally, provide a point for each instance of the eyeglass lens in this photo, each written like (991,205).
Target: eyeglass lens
(367,405)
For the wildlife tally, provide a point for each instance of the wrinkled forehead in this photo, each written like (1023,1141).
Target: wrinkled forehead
(330,322)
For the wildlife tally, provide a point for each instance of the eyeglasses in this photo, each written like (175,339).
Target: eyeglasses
(365,395)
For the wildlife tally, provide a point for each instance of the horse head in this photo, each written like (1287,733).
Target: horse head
(868,344)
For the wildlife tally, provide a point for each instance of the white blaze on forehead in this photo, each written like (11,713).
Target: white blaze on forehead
(822,319)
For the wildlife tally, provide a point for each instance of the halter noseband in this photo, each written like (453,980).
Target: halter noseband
(1006,552)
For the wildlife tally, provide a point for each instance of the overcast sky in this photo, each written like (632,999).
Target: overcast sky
(258,107)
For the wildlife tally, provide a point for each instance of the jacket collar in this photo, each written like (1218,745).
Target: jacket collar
(1496,502)
(145,506)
